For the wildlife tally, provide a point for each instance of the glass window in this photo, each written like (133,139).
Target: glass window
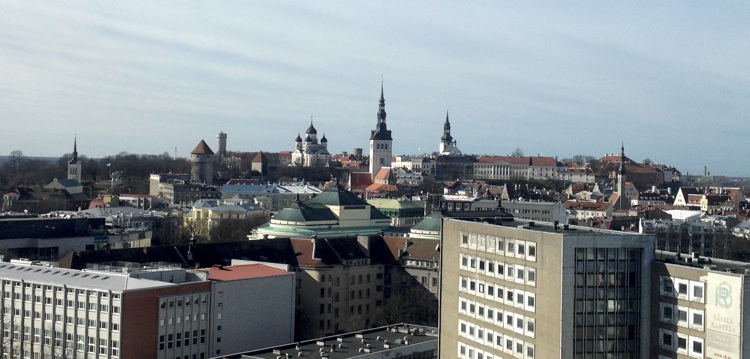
(681,342)
(682,288)
(697,318)
(682,314)
(696,346)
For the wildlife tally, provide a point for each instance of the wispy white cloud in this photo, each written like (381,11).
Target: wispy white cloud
(552,78)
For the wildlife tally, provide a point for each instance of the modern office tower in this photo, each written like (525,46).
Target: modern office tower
(520,289)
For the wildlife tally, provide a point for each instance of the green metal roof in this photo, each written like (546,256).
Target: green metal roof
(429,223)
(336,196)
(304,212)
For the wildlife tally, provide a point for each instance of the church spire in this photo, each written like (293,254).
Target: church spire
(381,131)
(622,159)
(74,160)
(447,129)
(381,108)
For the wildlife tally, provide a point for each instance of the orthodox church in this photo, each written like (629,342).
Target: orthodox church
(310,152)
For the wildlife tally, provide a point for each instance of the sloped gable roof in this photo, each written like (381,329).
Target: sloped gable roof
(360,180)
(421,248)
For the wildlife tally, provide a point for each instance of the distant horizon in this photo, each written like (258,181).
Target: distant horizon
(3,158)
(669,79)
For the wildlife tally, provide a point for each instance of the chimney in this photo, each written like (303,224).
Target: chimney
(364,241)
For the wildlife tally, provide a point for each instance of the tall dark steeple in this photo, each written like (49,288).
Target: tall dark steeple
(380,141)
(447,129)
(381,108)
(623,201)
(74,166)
(447,143)
(381,131)
(622,159)
(74,160)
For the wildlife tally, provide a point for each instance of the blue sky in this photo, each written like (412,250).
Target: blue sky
(669,79)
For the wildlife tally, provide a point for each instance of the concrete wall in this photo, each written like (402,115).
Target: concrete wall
(252,313)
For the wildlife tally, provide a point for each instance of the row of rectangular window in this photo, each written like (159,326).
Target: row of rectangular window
(27,297)
(194,300)
(682,288)
(498,293)
(504,246)
(517,273)
(178,340)
(681,343)
(179,319)
(48,288)
(105,345)
(512,346)
(71,320)
(683,316)
(509,320)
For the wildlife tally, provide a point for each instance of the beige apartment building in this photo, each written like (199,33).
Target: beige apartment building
(520,289)
(698,305)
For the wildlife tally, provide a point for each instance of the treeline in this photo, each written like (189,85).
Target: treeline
(133,170)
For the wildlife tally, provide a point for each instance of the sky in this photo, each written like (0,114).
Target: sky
(667,79)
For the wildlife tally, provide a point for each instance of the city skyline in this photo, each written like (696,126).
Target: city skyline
(667,79)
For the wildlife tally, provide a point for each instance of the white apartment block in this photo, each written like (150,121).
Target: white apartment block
(515,289)
(167,313)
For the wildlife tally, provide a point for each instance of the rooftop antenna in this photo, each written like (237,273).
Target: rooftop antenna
(175,152)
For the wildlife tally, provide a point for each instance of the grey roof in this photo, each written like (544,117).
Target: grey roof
(351,345)
(76,278)
(68,183)
(381,132)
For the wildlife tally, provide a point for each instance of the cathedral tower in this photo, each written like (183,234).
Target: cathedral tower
(447,143)
(380,141)
(623,201)
(74,166)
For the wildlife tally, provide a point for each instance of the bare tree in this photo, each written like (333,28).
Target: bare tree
(517,152)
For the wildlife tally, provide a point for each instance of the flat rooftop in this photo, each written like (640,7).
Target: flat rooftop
(542,226)
(351,345)
(707,263)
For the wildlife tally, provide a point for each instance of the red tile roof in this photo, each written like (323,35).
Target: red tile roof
(383,174)
(378,187)
(202,149)
(304,250)
(360,180)
(396,245)
(244,271)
